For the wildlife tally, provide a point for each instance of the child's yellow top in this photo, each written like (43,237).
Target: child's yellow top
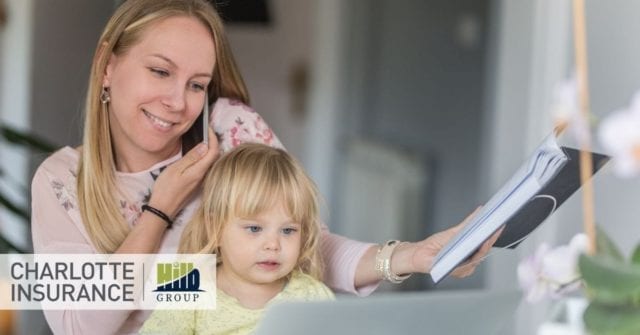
(230,317)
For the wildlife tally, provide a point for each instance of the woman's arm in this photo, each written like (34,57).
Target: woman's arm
(235,123)
(171,191)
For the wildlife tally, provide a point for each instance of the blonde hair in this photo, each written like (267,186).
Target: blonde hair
(97,190)
(244,183)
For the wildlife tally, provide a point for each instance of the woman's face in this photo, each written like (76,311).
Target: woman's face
(157,90)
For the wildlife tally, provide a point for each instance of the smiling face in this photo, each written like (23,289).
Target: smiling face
(261,250)
(157,90)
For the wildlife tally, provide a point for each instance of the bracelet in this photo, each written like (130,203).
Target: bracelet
(383,263)
(159,214)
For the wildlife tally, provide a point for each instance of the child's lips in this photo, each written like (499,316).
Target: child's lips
(269,265)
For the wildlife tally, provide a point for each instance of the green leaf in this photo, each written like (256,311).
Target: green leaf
(26,139)
(605,246)
(635,257)
(609,280)
(607,320)
(13,208)
(7,245)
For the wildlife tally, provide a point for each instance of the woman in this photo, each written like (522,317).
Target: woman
(154,62)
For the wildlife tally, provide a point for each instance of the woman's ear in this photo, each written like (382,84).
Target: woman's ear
(108,70)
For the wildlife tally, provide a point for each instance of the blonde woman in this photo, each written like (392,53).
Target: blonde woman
(259,215)
(130,189)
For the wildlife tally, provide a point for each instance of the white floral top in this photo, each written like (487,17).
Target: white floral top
(57,226)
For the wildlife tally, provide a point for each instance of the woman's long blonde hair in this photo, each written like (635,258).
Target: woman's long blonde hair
(246,182)
(98,194)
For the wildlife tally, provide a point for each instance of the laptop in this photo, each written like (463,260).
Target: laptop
(442,313)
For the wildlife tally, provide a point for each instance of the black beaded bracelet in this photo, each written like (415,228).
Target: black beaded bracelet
(159,214)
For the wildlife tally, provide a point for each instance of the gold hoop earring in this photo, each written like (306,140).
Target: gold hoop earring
(105,97)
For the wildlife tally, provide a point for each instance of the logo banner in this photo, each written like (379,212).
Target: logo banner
(107,281)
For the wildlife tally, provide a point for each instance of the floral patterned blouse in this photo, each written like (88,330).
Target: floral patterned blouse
(57,225)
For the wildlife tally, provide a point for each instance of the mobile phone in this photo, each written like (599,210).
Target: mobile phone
(199,131)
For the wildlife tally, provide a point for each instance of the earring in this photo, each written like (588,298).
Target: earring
(105,97)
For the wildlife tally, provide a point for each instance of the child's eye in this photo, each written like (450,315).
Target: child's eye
(159,72)
(253,229)
(289,231)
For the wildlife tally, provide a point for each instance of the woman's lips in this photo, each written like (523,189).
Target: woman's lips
(157,122)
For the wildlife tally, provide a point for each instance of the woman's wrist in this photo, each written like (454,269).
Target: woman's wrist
(389,264)
(403,260)
(166,207)
(160,214)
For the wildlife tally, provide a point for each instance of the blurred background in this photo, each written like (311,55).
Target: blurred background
(408,114)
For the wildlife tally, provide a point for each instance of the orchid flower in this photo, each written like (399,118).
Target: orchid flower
(619,133)
(565,109)
(552,272)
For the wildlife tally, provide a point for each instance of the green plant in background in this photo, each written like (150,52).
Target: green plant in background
(612,285)
(32,143)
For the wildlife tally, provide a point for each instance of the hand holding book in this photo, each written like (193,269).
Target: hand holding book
(419,256)
(548,178)
(468,267)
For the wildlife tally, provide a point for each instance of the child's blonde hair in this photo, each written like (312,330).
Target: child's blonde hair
(246,182)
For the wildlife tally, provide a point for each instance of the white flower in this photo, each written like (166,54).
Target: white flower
(552,272)
(565,109)
(619,133)
(529,275)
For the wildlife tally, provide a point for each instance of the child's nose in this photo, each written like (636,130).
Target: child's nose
(272,242)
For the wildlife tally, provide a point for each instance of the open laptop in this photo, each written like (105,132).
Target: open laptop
(442,313)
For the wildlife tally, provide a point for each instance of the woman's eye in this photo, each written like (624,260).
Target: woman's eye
(289,231)
(159,72)
(197,87)
(253,229)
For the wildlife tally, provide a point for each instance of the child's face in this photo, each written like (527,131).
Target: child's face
(261,250)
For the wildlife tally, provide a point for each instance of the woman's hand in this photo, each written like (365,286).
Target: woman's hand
(170,192)
(419,256)
(177,182)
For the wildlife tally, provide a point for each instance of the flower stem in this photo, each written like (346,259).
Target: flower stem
(586,161)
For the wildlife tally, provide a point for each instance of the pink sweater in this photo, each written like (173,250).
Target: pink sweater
(57,225)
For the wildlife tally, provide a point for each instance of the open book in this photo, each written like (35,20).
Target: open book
(548,178)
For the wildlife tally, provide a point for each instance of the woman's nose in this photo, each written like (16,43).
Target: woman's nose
(174,99)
